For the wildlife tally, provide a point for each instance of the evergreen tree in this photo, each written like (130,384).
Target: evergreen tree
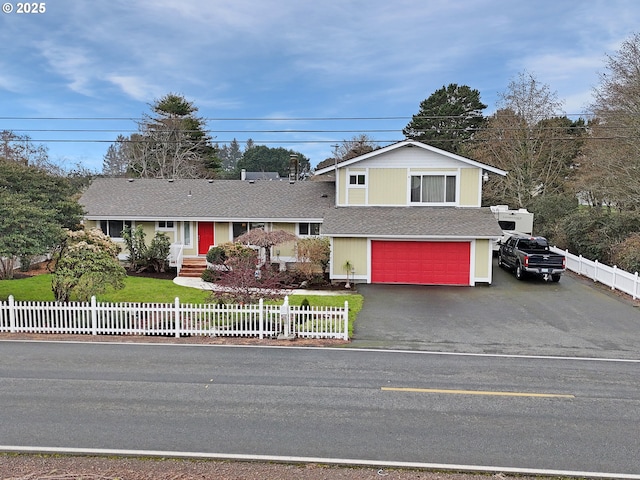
(34,208)
(173,142)
(448,118)
(264,159)
(229,155)
(116,161)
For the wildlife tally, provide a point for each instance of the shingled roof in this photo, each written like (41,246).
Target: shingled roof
(149,199)
(449,222)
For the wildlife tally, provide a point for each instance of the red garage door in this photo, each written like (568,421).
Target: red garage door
(424,263)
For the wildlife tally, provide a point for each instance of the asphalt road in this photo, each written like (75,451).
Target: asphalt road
(572,318)
(559,414)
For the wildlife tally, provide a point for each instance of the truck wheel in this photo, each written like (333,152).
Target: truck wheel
(555,278)
(519,272)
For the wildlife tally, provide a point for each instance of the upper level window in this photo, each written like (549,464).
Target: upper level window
(433,189)
(309,228)
(357,179)
(165,225)
(114,228)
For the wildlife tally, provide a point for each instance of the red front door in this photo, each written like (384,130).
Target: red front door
(205,237)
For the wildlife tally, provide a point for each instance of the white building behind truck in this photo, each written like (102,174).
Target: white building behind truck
(512,222)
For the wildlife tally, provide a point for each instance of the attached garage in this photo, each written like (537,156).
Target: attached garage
(424,263)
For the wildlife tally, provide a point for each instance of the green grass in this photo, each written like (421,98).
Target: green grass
(149,290)
(355,304)
(37,288)
(137,289)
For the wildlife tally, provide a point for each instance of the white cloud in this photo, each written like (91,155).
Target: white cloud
(72,63)
(135,87)
(562,67)
(9,82)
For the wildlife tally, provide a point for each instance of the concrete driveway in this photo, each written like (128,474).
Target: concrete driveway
(572,318)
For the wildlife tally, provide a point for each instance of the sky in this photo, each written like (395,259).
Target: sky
(296,74)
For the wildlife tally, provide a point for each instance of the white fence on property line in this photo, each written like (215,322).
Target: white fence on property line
(613,277)
(166,319)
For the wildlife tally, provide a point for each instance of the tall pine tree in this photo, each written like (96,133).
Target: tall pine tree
(448,118)
(173,142)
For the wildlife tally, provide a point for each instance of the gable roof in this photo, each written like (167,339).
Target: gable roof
(199,199)
(410,144)
(433,222)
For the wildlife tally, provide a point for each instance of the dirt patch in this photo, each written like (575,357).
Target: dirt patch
(38,467)
(41,268)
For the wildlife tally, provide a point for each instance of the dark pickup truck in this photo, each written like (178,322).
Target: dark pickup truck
(527,255)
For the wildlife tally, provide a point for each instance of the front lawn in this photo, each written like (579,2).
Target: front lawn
(137,289)
(151,290)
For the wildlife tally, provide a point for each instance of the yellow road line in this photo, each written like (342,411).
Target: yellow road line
(476,392)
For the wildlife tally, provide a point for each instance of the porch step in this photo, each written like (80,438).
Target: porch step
(193,267)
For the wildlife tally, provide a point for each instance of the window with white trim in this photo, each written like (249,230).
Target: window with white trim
(309,229)
(357,179)
(186,233)
(165,225)
(114,228)
(438,189)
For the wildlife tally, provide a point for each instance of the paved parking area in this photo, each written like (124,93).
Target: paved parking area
(574,317)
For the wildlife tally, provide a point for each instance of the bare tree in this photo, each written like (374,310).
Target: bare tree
(529,99)
(529,139)
(20,149)
(348,149)
(166,153)
(259,237)
(610,171)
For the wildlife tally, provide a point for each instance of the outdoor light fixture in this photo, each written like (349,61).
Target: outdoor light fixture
(485,176)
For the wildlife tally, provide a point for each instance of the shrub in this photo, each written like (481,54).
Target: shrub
(210,275)
(594,232)
(146,257)
(549,210)
(626,255)
(216,255)
(313,253)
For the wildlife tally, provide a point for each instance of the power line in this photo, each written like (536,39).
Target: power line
(282,119)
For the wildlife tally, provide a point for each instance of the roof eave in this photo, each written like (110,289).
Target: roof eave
(410,143)
(374,236)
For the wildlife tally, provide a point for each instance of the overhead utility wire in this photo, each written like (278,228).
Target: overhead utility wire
(381,130)
(280,119)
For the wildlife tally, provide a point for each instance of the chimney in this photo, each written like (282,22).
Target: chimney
(243,174)
(293,167)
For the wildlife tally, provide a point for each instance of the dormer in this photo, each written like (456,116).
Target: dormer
(409,173)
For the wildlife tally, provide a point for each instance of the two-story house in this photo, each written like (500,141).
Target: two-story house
(411,213)
(407,213)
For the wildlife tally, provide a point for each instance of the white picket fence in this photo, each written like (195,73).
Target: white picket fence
(166,319)
(613,277)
